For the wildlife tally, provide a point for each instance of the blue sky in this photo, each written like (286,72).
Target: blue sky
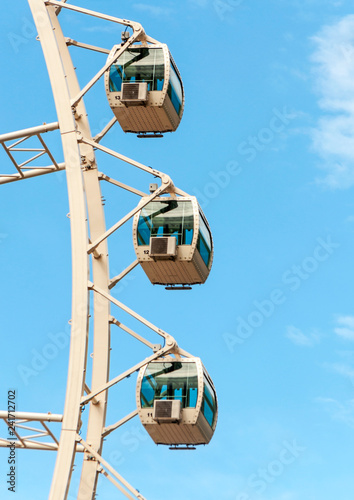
(266,144)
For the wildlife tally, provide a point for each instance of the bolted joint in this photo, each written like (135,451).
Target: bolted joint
(77,116)
(170,342)
(97,255)
(87,163)
(166,179)
(167,185)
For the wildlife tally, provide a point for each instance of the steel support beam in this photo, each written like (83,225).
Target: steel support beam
(29,132)
(79,238)
(100,273)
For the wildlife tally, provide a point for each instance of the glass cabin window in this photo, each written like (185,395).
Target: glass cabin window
(170,380)
(209,402)
(166,218)
(204,241)
(175,90)
(139,64)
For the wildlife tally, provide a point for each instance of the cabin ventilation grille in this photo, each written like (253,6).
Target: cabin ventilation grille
(134,93)
(163,247)
(167,410)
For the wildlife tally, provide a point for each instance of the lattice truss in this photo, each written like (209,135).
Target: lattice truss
(24,148)
(19,424)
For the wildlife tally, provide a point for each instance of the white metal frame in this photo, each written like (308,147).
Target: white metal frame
(89,252)
(192,417)
(186,254)
(27,169)
(156,98)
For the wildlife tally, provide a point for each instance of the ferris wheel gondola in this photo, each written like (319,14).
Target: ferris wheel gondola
(173,241)
(144,89)
(177,402)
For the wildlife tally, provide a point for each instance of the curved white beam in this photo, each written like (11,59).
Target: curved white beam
(79,238)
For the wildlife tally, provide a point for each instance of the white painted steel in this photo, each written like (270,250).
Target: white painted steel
(82,176)
(80,265)
(86,219)
(28,132)
(24,169)
(41,417)
(35,172)
(100,273)
(19,422)
(120,276)
(122,421)
(111,470)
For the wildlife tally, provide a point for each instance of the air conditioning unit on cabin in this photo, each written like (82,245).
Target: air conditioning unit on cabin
(167,410)
(163,247)
(134,93)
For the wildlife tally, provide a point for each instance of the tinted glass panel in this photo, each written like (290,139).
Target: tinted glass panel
(209,403)
(175,90)
(170,380)
(204,241)
(166,218)
(141,64)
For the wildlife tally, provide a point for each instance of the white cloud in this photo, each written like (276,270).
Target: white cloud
(345,328)
(153,10)
(299,338)
(341,412)
(346,333)
(288,495)
(344,370)
(333,69)
(199,3)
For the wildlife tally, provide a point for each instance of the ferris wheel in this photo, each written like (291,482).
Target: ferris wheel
(175,396)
